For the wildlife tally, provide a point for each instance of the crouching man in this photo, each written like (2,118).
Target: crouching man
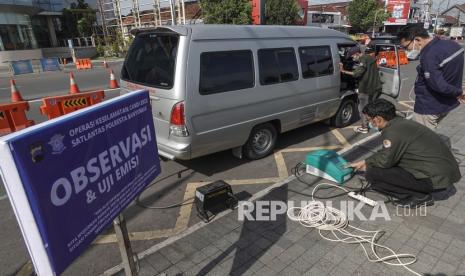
(413,161)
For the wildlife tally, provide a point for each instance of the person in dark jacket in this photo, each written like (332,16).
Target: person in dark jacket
(413,161)
(438,87)
(369,83)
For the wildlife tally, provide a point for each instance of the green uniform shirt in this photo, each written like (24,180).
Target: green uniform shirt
(367,74)
(418,150)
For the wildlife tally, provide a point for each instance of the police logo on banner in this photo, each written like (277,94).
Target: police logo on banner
(57,143)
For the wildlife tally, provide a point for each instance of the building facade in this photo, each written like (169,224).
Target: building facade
(29,24)
(31,29)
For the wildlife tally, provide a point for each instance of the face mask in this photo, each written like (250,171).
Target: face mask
(371,126)
(414,53)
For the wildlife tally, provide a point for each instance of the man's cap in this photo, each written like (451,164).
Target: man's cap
(354,50)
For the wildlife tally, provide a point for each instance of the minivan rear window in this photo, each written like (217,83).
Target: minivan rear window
(151,60)
(226,71)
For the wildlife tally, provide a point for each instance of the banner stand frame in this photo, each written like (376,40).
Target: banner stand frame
(124,244)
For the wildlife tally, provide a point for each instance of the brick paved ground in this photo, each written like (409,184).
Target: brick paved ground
(230,247)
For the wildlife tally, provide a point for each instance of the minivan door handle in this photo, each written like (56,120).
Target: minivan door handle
(155,98)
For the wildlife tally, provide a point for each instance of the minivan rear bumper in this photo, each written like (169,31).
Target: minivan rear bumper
(173,154)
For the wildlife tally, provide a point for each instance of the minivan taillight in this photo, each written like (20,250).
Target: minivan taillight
(178,121)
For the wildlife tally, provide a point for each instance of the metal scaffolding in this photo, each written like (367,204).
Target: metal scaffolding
(120,16)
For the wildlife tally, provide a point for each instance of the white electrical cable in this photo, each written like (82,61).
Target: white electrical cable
(325,218)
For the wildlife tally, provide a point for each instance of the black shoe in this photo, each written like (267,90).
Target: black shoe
(415,202)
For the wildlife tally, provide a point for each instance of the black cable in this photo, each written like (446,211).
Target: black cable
(184,202)
(138,202)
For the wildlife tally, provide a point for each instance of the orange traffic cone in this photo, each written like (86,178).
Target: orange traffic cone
(73,88)
(105,64)
(15,95)
(113,82)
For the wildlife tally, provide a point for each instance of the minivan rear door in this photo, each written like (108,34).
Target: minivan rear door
(387,56)
(153,63)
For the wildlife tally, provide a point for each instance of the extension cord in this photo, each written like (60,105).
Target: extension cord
(363,199)
(326,218)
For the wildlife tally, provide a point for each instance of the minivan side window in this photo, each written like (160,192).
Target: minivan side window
(277,65)
(316,61)
(226,71)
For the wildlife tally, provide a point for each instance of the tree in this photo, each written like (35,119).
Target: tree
(78,19)
(281,12)
(362,14)
(226,11)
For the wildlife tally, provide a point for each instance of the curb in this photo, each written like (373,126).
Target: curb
(114,270)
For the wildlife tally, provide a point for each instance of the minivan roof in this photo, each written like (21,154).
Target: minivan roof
(226,32)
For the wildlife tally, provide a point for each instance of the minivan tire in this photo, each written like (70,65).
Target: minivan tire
(346,113)
(261,142)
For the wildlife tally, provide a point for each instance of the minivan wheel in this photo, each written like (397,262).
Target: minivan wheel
(261,142)
(346,113)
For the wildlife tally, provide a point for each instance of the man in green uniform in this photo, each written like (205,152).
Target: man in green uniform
(413,161)
(369,83)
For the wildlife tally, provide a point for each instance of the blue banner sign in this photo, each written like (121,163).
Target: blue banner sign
(22,67)
(75,174)
(50,64)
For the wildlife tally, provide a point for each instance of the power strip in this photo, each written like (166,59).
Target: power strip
(363,199)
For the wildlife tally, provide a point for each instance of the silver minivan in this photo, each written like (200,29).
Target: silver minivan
(219,87)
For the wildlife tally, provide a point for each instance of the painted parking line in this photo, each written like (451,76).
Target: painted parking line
(309,149)
(405,104)
(114,270)
(281,165)
(340,138)
(3,197)
(185,211)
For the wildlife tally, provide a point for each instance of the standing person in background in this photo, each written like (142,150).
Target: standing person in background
(369,84)
(438,88)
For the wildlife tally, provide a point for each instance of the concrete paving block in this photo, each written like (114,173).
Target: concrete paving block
(426,257)
(185,264)
(438,244)
(348,266)
(198,257)
(222,244)
(425,231)
(291,254)
(284,243)
(146,269)
(408,250)
(158,261)
(451,258)
(443,267)
(276,265)
(334,256)
(248,268)
(290,271)
(422,267)
(265,270)
(315,271)
(172,253)
(210,251)
(454,250)
(416,243)
(254,250)
(172,271)
(263,243)
(402,229)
